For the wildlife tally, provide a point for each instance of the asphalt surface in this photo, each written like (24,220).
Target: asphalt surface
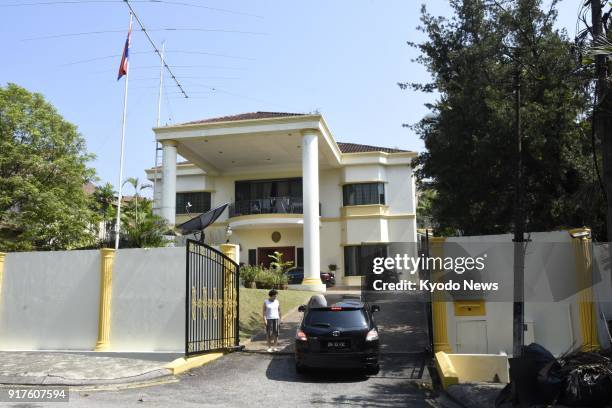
(255,380)
(251,379)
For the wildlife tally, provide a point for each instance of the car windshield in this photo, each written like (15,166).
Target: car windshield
(336,318)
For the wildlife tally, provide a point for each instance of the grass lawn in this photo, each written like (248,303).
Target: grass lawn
(251,301)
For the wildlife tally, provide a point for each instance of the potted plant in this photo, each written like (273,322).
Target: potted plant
(281,281)
(278,264)
(248,274)
(265,279)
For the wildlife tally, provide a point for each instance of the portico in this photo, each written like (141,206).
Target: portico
(291,186)
(299,144)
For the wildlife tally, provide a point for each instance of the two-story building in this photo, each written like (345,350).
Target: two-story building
(291,187)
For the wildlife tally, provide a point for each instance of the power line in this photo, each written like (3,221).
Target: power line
(211,54)
(144,30)
(172,3)
(211,30)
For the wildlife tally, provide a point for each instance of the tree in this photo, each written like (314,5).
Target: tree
(146,230)
(470,133)
(43,168)
(103,205)
(138,187)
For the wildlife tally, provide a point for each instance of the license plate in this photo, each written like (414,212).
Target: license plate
(336,344)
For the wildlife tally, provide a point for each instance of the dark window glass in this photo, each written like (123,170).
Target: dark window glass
(252,257)
(200,202)
(358,258)
(257,189)
(337,318)
(300,258)
(363,193)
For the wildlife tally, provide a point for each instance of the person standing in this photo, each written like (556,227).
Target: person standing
(271,317)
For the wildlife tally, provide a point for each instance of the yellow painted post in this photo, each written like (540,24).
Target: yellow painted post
(229,296)
(581,241)
(438,306)
(107,257)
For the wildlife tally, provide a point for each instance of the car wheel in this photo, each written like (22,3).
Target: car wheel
(373,370)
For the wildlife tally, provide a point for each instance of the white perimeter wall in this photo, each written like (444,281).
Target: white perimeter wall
(555,325)
(50,300)
(148,305)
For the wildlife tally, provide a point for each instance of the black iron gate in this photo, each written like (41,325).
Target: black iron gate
(211,301)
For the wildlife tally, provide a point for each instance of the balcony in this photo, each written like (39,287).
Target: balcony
(271,205)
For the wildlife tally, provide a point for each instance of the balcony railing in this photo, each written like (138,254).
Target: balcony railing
(272,205)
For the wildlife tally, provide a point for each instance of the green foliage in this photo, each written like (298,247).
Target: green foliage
(248,273)
(140,228)
(266,278)
(470,134)
(277,262)
(104,211)
(43,168)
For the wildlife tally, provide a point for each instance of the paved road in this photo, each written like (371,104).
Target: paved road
(263,380)
(260,379)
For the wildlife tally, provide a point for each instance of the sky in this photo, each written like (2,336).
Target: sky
(342,58)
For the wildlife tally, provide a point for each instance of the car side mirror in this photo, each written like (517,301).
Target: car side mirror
(302,308)
(375,308)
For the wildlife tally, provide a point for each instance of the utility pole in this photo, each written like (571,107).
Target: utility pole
(159,102)
(518,310)
(602,113)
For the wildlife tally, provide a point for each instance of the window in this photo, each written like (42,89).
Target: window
(358,258)
(252,257)
(300,258)
(363,193)
(257,189)
(200,202)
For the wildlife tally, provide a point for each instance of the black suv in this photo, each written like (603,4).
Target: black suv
(343,335)
(296,275)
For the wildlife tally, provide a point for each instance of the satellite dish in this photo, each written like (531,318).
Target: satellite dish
(199,223)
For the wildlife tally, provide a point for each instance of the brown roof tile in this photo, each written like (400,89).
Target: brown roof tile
(361,148)
(245,116)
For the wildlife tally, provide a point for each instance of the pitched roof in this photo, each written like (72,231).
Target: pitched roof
(245,116)
(361,148)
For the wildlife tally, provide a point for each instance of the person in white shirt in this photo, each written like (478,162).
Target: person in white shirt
(271,317)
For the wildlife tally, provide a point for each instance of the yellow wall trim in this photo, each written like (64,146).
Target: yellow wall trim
(107,257)
(470,308)
(438,306)
(584,272)
(370,210)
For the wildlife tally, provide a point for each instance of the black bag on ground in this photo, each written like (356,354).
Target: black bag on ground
(534,379)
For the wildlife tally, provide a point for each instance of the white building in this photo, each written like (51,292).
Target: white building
(292,189)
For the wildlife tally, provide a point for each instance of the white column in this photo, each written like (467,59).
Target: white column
(168,199)
(310,191)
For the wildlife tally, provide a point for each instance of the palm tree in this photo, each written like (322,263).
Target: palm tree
(135,183)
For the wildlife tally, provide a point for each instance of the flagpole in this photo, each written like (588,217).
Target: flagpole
(120,198)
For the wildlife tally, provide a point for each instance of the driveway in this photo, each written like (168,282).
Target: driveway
(254,379)
(264,380)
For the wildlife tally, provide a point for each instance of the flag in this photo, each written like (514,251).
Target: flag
(123,66)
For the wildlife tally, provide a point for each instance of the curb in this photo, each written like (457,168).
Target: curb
(182,364)
(57,380)
(178,366)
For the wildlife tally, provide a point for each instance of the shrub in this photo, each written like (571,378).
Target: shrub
(265,278)
(248,273)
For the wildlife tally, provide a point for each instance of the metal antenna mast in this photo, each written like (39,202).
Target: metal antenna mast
(159,101)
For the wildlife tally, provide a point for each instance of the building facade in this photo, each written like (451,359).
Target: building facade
(291,187)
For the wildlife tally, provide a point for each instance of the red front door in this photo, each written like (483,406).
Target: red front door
(264,259)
